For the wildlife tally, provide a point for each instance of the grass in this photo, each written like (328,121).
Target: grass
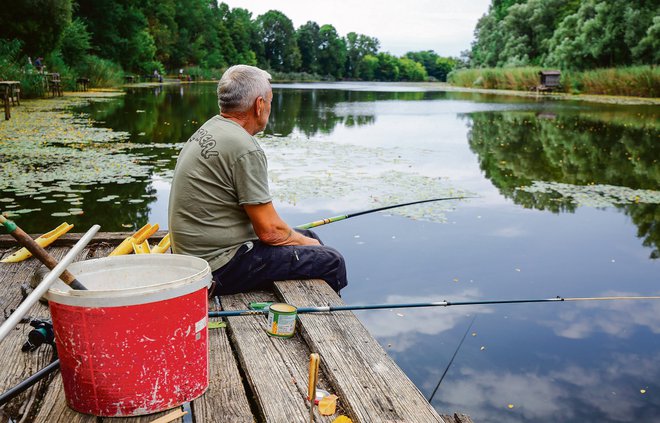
(635,81)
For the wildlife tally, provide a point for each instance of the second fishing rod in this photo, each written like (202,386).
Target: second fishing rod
(262,308)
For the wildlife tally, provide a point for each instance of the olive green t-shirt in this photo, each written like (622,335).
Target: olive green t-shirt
(219,169)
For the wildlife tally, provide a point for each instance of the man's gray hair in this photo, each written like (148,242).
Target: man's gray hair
(240,86)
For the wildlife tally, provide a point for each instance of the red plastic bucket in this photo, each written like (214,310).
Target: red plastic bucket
(137,341)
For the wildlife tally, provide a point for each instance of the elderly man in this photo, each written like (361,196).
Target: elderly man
(220,206)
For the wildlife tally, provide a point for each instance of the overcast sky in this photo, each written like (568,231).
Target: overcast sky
(445,26)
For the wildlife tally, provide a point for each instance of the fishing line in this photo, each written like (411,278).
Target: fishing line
(452,359)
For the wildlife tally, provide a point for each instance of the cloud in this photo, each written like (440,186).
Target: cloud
(406,325)
(572,393)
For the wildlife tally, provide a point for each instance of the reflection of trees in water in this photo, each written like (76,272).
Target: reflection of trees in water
(311,112)
(109,215)
(647,219)
(318,111)
(112,216)
(168,114)
(517,148)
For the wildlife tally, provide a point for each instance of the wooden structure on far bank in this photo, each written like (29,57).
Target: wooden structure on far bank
(549,80)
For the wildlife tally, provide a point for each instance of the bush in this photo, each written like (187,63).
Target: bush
(55,63)
(201,74)
(101,72)
(15,67)
(299,77)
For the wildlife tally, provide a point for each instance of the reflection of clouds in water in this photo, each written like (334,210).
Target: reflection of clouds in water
(403,326)
(621,317)
(509,232)
(332,176)
(567,394)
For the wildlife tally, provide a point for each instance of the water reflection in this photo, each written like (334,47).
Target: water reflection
(516,149)
(624,318)
(571,394)
(400,328)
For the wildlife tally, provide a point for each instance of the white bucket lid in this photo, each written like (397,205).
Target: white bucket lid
(132,279)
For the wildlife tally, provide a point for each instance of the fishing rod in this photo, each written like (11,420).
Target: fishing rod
(331,308)
(348,216)
(5,397)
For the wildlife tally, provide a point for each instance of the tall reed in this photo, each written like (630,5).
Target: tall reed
(636,81)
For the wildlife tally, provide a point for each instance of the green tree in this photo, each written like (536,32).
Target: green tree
(436,66)
(278,37)
(120,33)
(203,38)
(648,48)
(388,67)
(75,42)
(368,67)
(332,52)
(409,70)
(243,33)
(308,39)
(222,51)
(163,27)
(594,36)
(444,65)
(488,42)
(571,34)
(38,24)
(358,46)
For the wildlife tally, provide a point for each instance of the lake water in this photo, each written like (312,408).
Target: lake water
(567,205)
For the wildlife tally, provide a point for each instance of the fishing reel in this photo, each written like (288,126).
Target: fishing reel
(41,334)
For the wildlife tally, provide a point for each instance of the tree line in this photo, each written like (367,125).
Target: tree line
(140,36)
(568,34)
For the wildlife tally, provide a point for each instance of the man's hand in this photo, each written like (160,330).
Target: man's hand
(271,229)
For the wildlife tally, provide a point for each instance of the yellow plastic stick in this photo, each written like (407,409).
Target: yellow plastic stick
(162,246)
(126,246)
(43,241)
(142,248)
(313,380)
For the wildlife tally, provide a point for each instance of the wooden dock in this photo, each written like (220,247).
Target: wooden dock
(253,377)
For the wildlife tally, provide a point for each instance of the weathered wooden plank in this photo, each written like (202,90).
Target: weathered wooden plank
(370,385)
(276,369)
(226,399)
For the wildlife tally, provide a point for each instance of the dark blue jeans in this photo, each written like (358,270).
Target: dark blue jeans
(259,267)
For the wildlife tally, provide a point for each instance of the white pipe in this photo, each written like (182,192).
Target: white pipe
(41,289)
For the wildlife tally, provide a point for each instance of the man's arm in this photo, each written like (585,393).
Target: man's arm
(271,229)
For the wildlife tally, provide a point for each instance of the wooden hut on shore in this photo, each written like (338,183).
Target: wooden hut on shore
(549,80)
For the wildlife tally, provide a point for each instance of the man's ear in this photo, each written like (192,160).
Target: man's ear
(258,106)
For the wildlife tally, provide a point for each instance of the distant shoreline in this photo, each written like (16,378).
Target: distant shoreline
(443,86)
(438,86)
